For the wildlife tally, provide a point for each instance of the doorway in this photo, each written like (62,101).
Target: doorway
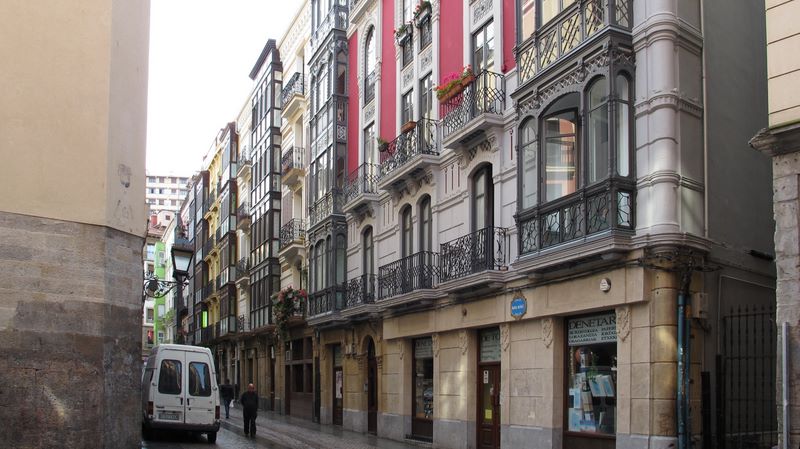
(489,406)
(372,389)
(338,386)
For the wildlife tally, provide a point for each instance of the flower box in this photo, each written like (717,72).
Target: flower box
(403,33)
(467,80)
(447,96)
(408,126)
(421,13)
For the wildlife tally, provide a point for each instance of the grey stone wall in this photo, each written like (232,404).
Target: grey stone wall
(70,324)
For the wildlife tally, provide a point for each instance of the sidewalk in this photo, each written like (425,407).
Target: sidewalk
(302,434)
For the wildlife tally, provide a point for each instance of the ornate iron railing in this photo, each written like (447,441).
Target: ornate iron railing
(369,87)
(293,158)
(414,272)
(328,205)
(589,211)
(486,94)
(361,290)
(243,267)
(243,211)
(295,86)
(326,300)
(422,139)
(362,180)
(486,249)
(575,25)
(244,159)
(293,231)
(336,18)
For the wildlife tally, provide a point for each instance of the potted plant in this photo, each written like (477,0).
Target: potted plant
(422,12)
(402,34)
(408,126)
(285,304)
(383,145)
(454,83)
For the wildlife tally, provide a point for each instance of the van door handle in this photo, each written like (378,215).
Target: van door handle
(181,400)
(187,401)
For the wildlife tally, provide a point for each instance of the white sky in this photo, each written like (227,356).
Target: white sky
(201,53)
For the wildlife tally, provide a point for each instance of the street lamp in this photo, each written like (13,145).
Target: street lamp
(154,287)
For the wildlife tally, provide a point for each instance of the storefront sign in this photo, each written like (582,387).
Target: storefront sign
(592,329)
(518,307)
(490,345)
(423,348)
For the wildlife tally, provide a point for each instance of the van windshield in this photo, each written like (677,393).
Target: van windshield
(199,379)
(169,377)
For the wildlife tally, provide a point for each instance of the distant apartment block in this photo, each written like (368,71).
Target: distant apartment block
(165,192)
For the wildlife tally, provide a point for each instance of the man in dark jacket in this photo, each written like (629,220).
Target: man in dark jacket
(249,401)
(226,395)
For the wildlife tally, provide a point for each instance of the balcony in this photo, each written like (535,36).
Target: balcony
(408,157)
(413,273)
(335,19)
(595,220)
(209,291)
(243,216)
(227,325)
(244,165)
(361,290)
(477,111)
(323,208)
(357,8)
(325,302)
(570,30)
(361,189)
(483,253)
(242,324)
(243,272)
(293,237)
(293,166)
(209,247)
(293,96)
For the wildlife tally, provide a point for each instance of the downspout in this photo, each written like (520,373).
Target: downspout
(684,333)
(785,381)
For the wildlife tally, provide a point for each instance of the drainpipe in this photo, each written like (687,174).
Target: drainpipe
(684,332)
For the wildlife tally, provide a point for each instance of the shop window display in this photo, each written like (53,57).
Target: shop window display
(592,374)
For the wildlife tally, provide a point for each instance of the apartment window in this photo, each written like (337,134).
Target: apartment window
(368,261)
(597,131)
(149,315)
(407,104)
(528,19)
(425,33)
(482,199)
(161,179)
(369,144)
(560,129)
(407,52)
(151,179)
(407,235)
(425,225)
(426,97)
(483,48)
(369,66)
(151,252)
(407,10)
(527,156)
(550,8)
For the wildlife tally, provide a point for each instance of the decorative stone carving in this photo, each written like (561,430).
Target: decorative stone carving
(481,9)
(547,332)
(425,60)
(435,344)
(369,111)
(407,76)
(623,322)
(505,336)
(462,341)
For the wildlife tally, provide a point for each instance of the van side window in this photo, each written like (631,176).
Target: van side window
(199,379)
(169,377)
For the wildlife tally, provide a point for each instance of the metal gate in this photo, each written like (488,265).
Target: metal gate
(747,414)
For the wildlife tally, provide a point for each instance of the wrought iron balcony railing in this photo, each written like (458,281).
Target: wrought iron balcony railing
(606,206)
(422,139)
(293,159)
(293,231)
(575,25)
(486,94)
(328,205)
(362,180)
(295,86)
(243,267)
(244,159)
(336,18)
(209,290)
(243,211)
(414,272)
(326,300)
(486,249)
(242,324)
(361,290)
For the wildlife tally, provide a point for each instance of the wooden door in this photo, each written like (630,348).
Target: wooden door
(489,406)
(338,395)
(372,394)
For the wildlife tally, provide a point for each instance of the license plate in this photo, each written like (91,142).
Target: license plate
(169,416)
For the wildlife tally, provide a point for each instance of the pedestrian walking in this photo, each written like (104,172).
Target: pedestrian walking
(226,394)
(249,401)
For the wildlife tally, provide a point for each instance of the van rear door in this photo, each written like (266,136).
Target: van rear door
(201,396)
(168,397)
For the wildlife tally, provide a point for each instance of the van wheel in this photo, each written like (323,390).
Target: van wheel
(212,437)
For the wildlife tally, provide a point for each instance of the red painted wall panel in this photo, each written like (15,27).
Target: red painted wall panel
(352,106)
(509,34)
(451,37)
(388,93)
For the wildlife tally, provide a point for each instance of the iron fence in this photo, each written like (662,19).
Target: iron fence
(421,139)
(295,86)
(362,180)
(292,159)
(478,251)
(486,94)
(293,231)
(361,290)
(414,272)
(326,301)
(329,204)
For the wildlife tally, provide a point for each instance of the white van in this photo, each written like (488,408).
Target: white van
(179,391)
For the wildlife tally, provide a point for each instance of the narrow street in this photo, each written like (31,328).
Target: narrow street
(277,432)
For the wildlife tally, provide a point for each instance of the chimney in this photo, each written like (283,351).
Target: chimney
(153,219)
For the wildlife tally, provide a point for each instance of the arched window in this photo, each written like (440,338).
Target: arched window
(597,157)
(482,199)
(369,66)
(560,151)
(425,225)
(368,260)
(407,233)
(527,156)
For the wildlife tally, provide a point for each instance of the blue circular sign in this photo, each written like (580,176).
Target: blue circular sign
(518,307)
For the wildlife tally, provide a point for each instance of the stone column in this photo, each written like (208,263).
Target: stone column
(72,222)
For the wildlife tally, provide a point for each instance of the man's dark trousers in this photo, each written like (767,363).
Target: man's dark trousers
(250,422)
(227,408)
